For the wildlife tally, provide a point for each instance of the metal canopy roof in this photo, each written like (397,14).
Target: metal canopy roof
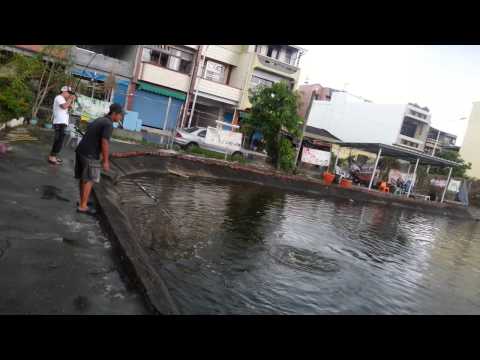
(400,153)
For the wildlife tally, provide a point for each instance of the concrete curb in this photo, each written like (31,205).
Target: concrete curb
(132,255)
(299,183)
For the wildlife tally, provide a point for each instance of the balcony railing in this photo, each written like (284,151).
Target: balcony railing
(277,64)
(219,90)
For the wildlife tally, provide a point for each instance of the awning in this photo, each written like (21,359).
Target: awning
(97,76)
(161,91)
(400,153)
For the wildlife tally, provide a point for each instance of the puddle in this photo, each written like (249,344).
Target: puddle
(50,192)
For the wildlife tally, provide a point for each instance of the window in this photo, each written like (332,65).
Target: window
(169,57)
(408,129)
(273,51)
(409,143)
(417,114)
(215,71)
(202,133)
(256,81)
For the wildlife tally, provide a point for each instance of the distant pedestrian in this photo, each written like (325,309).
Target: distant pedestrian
(87,162)
(61,104)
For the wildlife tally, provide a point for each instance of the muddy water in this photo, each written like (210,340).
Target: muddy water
(232,248)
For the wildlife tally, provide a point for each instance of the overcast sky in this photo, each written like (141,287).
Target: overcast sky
(446,79)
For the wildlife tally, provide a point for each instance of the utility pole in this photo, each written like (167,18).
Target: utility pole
(299,148)
(204,51)
(193,76)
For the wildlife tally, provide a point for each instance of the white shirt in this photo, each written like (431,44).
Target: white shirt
(60,115)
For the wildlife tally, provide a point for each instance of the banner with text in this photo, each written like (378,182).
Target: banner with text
(316,157)
(89,108)
(224,138)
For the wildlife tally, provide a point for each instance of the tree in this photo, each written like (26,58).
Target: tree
(15,93)
(25,81)
(274,113)
(49,72)
(458,171)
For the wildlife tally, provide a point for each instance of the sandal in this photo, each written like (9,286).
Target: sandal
(53,162)
(59,160)
(89,211)
(89,203)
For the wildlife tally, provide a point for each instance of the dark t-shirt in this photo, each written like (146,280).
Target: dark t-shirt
(91,143)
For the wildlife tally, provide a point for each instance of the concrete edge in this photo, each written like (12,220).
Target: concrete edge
(314,186)
(132,255)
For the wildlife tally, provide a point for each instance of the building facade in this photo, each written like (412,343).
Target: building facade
(307,91)
(92,65)
(438,140)
(198,85)
(469,150)
(354,119)
(181,85)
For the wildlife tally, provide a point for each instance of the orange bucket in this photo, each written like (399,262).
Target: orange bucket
(328,178)
(346,183)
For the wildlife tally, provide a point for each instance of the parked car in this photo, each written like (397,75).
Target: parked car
(193,137)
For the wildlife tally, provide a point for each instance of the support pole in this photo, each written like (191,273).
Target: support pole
(413,178)
(204,51)
(304,127)
(336,161)
(165,123)
(375,168)
(446,185)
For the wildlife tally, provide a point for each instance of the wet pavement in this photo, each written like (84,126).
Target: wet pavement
(52,259)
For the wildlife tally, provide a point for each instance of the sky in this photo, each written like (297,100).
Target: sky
(446,79)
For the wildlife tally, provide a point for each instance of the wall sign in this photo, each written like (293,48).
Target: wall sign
(316,157)
(224,138)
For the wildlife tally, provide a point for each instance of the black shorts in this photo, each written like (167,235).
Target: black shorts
(87,169)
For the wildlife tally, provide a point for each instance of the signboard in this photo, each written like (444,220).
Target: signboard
(394,175)
(89,108)
(454,186)
(316,157)
(224,138)
(215,71)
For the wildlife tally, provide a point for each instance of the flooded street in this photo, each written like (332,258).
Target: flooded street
(237,248)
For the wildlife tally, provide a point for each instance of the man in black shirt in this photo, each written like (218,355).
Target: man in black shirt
(87,161)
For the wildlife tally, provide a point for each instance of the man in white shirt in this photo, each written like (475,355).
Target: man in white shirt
(61,104)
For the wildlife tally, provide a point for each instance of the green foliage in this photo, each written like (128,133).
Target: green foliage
(213,154)
(15,93)
(27,81)
(274,110)
(458,171)
(286,155)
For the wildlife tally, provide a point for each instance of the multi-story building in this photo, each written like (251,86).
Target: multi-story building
(213,80)
(164,83)
(354,119)
(307,91)
(93,64)
(469,150)
(437,140)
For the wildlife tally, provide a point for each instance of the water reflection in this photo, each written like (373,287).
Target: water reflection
(239,248)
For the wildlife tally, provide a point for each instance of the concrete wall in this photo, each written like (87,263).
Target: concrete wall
(219,90)
(229,54)
(353,121)
(104,63)
(164,77)
(469,150)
